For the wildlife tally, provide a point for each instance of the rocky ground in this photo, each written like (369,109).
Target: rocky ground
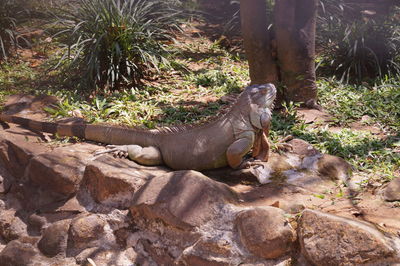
(61,205)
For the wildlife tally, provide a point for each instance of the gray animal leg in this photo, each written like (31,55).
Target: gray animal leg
(237,150)
(145,155)
(142,155)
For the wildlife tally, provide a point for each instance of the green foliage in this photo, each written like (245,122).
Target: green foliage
(218,79)
(118,41)
(358,45)
(10,10)
(381,102)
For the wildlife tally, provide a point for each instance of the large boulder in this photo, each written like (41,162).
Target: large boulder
(60,170)
(183,199)
(113,182)
(327,239)
(265,232)
(16,152)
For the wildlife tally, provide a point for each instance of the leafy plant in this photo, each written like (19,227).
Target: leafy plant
(356,43)
(218,79)
(118,41)
(9,11)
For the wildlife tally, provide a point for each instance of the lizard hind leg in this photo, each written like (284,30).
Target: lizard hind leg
(144,155)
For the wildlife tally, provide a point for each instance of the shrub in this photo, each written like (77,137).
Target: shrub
(9,12)
(118,41)
(358,44)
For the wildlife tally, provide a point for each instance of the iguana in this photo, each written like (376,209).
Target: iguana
(224,141)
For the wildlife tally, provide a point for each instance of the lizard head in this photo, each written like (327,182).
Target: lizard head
(261,99)
(262,95)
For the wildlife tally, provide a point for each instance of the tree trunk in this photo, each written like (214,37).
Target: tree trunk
(294,22)
(257,42)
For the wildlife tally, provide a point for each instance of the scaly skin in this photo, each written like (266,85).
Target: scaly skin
(219,143)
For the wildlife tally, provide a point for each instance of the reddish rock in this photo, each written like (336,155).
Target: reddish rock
(334,168)
(182,199)
(327,239)
(5,180)
(61,170)
(85,232)
(208,252)
(54,240)
(24,253)
(302,148)
(16,152)
(108,257)
(196,260)
(11,226)
(113,182)
(28,103)
(265,232)
(17,253)
(158,254)
(36,224)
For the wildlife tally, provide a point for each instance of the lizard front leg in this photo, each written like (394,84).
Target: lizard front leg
(261,146)
(238,149)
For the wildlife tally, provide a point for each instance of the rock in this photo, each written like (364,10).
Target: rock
(302,148)
(82,257)
(54,240)
(11,226)
(327,239)
(24,253)
(208,252)
(265,232)
(17,253)
(113,257)
(392,191)
(183,199)
(85,231)
(292,207)
(334,168)
(310,116)
(16,152)
(159,255)
(196,260)
(36,224)
(60,170)
(70,206)
(5,180)
(24,103)
(113,182)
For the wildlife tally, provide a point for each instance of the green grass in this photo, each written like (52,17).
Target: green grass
(380,101)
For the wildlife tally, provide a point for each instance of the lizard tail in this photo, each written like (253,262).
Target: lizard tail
(99,133)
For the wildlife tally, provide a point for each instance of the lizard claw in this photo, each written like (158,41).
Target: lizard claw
(252,163)
(118,151)
(282,145)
